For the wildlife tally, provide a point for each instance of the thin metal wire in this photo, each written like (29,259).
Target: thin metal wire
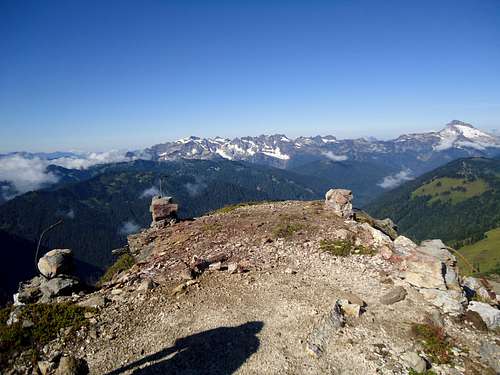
(41,238)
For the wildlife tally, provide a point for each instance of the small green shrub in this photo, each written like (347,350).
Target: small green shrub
(123,263)
(343,248)
(47,319)
(286,229)
(434,341)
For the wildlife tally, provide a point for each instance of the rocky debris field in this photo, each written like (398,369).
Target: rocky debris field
(284,288)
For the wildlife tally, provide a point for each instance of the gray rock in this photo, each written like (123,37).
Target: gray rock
(425,273)
(59,286)
(414,361)
(55,262)
(489,314)
(322,333)
(232,267)
(72,366)
(404,246)
(436,249)
(94,301)
(490,353)
(145,285)
(449,301)
(340,201)
(396,294)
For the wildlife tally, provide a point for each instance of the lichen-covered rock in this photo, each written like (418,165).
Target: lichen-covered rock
(55,262)
(340,202)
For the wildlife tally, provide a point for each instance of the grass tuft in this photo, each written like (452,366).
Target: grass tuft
(344,248)
(123,263)
(48,321)
(232,207)
(286,229)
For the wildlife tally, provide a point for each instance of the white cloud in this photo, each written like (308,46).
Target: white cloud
(85,161)
(151,192)
(392,181)
(195,189)
(129,227)
(25,174)
(330,155)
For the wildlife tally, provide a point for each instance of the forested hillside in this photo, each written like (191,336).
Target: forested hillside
(458,202)
(112,201)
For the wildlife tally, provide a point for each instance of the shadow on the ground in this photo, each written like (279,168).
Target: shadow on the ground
(217,351)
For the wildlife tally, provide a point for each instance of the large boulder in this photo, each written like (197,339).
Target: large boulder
(489,314)
(340,202)
(55,262)
(425,273)
(59,286)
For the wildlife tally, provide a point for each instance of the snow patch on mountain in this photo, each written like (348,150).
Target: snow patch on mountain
(276,153)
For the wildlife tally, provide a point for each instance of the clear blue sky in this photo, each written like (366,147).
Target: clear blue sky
(109,74)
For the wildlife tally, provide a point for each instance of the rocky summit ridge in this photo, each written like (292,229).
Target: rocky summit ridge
(283,288)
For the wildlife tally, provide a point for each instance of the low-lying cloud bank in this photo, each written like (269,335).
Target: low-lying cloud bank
(330,155)
(392,181)
(28,172)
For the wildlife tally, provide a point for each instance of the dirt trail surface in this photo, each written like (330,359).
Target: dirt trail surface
(261,317)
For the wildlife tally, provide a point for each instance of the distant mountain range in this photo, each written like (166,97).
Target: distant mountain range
(417,152)
(394,161)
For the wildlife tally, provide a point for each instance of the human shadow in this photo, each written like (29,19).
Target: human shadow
(218,351)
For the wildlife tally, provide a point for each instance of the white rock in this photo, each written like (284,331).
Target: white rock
(404,246)
(449,301)
(425,273)
(489,314)
(414,361)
